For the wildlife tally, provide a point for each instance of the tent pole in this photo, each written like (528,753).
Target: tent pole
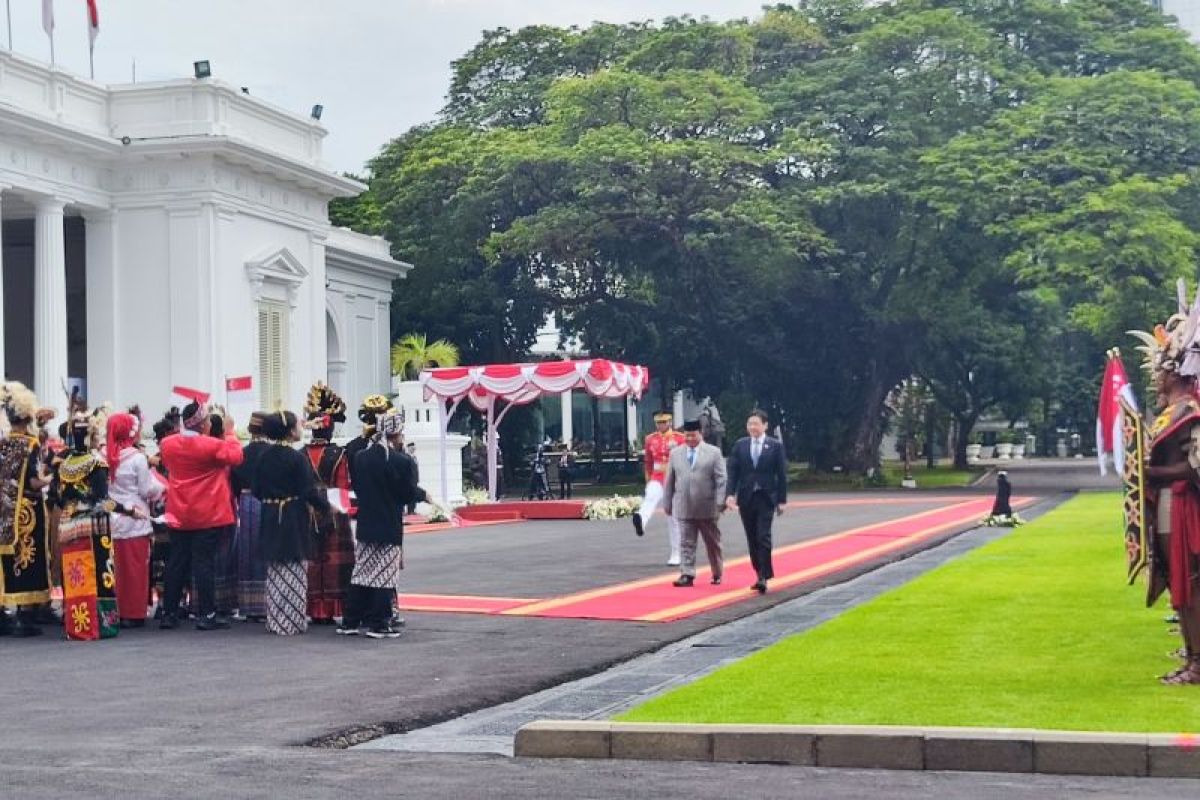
(491,447)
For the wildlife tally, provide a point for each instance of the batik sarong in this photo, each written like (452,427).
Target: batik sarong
(225,597)
(89,582)
(377,565)
(286,597)
(251,568)
(329,571)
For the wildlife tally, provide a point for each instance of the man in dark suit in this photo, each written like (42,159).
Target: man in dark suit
(757,488)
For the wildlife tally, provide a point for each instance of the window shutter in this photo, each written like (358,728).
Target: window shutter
(272,354)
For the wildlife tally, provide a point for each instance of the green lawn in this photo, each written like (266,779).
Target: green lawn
(1035,630)
(941,476)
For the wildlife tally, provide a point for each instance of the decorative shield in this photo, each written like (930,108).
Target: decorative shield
(1133,474)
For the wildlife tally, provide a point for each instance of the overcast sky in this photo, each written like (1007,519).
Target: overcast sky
(378,66)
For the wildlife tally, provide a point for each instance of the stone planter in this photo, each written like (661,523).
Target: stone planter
(1004,451)
(973,451)
(1018,452)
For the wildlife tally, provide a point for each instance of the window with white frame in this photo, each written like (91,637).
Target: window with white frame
(272,354)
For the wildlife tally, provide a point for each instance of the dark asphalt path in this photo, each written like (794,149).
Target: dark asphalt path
(184,713)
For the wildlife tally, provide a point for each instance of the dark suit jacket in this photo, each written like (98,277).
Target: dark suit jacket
(770,476)
(384,484)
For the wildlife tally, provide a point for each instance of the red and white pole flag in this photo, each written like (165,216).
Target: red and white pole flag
(93,17)
(182,395)
(1110,441)
(239,398)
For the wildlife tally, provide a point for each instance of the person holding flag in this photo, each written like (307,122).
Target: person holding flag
(1172,353)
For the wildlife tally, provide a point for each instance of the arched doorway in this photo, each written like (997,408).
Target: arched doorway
(336,359)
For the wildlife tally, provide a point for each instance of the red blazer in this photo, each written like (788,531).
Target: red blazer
(198,491)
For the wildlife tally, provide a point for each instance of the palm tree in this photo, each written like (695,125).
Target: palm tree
(414,352)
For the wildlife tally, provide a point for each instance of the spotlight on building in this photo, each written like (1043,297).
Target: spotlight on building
(201,69)
(317,111)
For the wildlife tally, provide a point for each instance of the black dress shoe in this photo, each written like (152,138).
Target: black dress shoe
(24,630)
(212,622)
(637,524)
(168,622)
(762,587)
(133,623)
(684,580)
(716,581)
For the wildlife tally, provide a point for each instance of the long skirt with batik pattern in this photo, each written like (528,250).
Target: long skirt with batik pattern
(89,580)
(287,594)
(329,571)
(251,568)
(25,566)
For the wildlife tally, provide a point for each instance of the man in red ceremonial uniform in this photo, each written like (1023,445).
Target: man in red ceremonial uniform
(1173,475)
(658,455)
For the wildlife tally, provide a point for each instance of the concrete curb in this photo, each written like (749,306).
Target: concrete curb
(872,747)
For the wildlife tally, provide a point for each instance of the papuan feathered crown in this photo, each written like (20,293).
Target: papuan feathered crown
(322,401)
(1174,346)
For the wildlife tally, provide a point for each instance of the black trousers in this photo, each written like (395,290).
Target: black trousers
(757,516)
(367,605)
(193,552)
(565,479)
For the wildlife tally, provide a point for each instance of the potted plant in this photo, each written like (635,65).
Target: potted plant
(1004,445)
(974,447)
(1018,451)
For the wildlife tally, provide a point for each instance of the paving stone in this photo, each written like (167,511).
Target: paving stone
(979,751)
(546,739)
(901,749)
(661,742)
(1174,755)
(769,744)
(1090,754)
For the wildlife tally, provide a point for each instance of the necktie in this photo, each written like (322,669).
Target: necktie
(691,456)
(755,450)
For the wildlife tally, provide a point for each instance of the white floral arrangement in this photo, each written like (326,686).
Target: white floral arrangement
(615,507)
(437,514)
(1002,521)
(475,496)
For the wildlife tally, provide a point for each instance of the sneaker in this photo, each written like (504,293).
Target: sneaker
(637,524)
(673,561)
(347,630)
(397,622)
(383,632)
(212,622)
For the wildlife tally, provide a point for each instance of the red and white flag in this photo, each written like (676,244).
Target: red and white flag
(182,395)
(239,390)
(48,17)
(1110,440)
(93,16)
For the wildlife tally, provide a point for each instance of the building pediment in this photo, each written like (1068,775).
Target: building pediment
(278,267)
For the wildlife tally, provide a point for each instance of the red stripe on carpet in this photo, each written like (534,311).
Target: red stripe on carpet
(656,600)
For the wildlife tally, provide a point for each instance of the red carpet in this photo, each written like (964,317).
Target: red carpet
(656,600)
(518,510)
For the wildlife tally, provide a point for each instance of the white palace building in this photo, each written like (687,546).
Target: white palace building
(176,234)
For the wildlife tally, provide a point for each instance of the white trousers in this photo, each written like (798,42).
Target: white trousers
(651,502)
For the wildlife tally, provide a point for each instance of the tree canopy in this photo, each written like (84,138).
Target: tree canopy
(812,206)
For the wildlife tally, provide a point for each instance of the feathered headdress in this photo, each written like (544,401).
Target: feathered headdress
(1174,346)
(372,407)
(323,402)
(20,404)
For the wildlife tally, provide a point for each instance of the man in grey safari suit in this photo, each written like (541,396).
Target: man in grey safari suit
(693,494)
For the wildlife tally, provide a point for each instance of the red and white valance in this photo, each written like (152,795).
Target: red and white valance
(524,383)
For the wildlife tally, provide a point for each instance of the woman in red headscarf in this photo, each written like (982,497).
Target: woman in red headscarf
(135,486)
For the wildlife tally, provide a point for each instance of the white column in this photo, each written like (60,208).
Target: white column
(3,366)
(678,409)
(50,306)
(567,399)
(631,419)
(104,334)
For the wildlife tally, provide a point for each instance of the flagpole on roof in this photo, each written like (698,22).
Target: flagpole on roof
(8,13)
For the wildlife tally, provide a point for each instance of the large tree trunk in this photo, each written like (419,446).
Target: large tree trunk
(964,425)
(868,432)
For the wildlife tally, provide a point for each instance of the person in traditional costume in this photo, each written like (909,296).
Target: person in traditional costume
(225,571)
(199,507)
(373,407)
(251,568)
(333,561)
(133,485)
(386,483)
(160,547)
(1173,474)
(24,540)
(80,491)
(657,456)
(285,484)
